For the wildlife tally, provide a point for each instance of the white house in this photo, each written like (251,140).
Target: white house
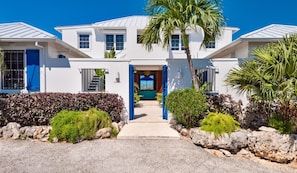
(159,71)
(37,61)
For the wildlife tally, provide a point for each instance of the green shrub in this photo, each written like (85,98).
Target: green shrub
(159,97)
(74,126)
(283,126)
(186,106)
(219,123)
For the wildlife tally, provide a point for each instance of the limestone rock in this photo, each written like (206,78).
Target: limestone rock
(179,127)
(55,140)
(273,146)
(226,153)
(233,143)
(103,133)
(121,125)
(184,132)
(11,130)
(1,131)
(267,129)
(173,121)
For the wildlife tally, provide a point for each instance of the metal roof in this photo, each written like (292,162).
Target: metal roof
(274,31)
(129,21)
(20,30)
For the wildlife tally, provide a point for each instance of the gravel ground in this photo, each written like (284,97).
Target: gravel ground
(120,156)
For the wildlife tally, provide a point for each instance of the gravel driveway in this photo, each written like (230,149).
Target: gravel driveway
(119,156)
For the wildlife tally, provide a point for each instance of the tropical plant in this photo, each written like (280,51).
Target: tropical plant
(278,122)
(74,126)
(186,106)
(219,124)
(271,75)
(110,54)
(170,15)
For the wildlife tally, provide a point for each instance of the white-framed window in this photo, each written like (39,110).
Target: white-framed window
(114,41)
(84,41)
(12,75)
(207,76)
(177,43)
(211,45)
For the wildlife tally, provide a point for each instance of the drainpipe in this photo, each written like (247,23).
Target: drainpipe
(43,64)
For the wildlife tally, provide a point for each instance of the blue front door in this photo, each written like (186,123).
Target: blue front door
(33,70)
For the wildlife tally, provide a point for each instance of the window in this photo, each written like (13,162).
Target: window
(207,76)
(84,41)
(138,39)
(114,41)
(211,45)
(147,82)
(177,43)
(93,80)
(13,73)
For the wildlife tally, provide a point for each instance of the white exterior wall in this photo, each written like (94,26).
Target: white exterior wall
(64,75)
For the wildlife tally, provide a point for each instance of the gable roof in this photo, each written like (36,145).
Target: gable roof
(269,33)
(20,30)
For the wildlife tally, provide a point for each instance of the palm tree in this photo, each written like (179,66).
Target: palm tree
(271,74)
(170,15)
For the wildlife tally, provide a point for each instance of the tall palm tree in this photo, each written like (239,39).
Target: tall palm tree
(170,15)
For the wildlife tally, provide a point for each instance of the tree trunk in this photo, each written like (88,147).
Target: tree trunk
(189,58)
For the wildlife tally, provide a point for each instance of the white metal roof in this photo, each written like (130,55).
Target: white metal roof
(20,30)
(274,31)
(129,21)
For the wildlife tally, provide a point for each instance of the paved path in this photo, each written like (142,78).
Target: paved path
(124,156)
(148,123)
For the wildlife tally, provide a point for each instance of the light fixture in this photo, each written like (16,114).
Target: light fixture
(179,74)
(117,79)
(106,71)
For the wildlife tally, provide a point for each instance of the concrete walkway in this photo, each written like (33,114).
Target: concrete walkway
(148,123)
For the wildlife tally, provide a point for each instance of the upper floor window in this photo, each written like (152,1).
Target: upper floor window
(211,45)
(177,43)
(84,41)
(114,41)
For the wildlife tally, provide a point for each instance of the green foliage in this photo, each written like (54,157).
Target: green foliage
(186,106)
(74,126)
(110,54)
(219,124)
(136,98)
(100,72)
(278,122)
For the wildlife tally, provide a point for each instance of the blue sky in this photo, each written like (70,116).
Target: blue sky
(247,15)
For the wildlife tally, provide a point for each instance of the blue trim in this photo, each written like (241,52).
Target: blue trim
(164,91)
(131,92)
(33,70)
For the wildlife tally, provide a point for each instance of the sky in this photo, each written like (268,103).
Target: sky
(247,15)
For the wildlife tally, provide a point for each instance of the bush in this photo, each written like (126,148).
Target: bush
(39,108)
(186,106)
(225,104)
(159,98)
(74,126)
(278,122)
(219,123)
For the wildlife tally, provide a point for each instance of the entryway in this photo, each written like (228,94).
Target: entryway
(147,111)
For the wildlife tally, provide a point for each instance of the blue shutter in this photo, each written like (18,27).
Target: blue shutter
(164,91)
(33,70)
(131,92)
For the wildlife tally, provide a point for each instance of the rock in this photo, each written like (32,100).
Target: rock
(29,133)
(116,126)
(37,133)
(226,153)
(245,153)
(179,127)
(215,152)
(121,125)
(267,129)
(11,130)
(103,133)
(233,143)
(173,121)
(184,132)
(55,140)
(1,131)
(273,146)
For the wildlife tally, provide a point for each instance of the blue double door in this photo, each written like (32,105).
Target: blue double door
(164,91)
(33,70)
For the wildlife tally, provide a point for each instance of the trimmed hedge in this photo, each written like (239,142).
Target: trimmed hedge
(39,108)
